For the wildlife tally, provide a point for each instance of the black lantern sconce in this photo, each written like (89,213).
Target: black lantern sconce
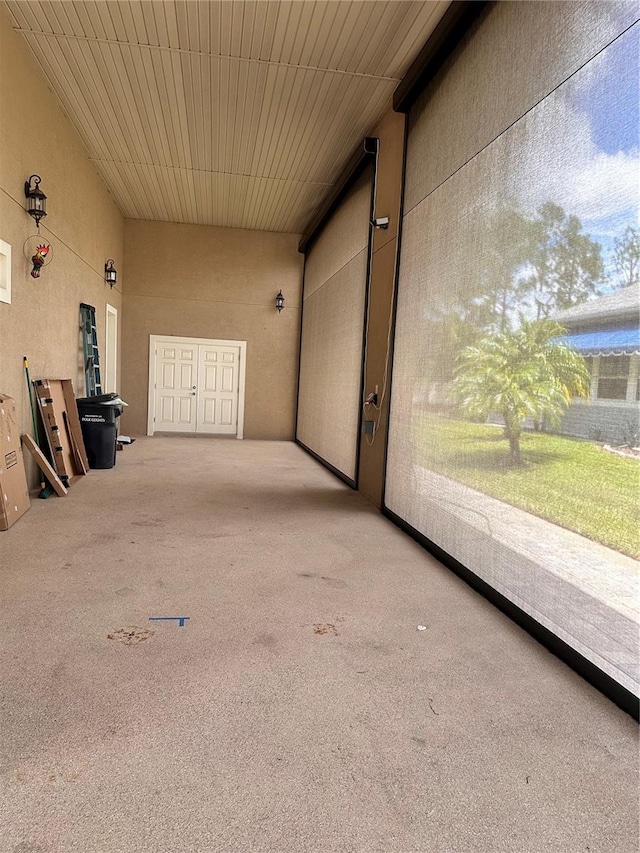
(110,273)
(279,301)
(36,199)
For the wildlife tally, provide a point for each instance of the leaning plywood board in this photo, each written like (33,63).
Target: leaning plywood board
(43,463)
(51,401)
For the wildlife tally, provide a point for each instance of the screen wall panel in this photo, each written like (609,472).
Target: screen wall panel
(335,284)
(515,381)
(512,62)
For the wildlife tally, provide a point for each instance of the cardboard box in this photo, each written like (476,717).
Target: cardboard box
(14,492)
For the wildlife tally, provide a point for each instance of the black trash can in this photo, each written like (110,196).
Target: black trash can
(99,422)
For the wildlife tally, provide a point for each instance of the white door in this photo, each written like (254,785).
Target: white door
(196,385)
(218,375)
(175,386)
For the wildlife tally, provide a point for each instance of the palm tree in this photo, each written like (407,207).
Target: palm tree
(522,374)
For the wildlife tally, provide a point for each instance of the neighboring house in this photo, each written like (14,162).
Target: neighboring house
(606,331)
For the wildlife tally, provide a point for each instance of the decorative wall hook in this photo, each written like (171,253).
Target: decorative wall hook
(38,253)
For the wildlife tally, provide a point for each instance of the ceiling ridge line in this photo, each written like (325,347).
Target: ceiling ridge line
(188,51)
(207,171)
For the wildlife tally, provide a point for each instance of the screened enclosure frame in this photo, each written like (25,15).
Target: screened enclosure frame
(457,24)
(366,156)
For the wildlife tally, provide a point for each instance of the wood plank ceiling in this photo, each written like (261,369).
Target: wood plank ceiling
(239,114)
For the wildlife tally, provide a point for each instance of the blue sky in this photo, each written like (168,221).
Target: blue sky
(611,99)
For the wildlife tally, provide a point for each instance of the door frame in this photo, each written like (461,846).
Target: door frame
(111,358)
(242,373)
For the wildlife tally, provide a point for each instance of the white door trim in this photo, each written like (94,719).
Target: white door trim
(151,401)
(111,358)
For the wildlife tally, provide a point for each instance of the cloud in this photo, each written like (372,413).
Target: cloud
(601,189)
(551,155)
(605,186)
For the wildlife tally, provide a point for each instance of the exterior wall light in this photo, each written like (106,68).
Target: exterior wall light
(36,199)
(110,273)
(279,301)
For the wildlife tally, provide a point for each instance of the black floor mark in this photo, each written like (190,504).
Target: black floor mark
(334,582)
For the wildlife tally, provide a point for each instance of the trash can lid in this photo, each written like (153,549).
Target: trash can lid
(100,398)
(111,399)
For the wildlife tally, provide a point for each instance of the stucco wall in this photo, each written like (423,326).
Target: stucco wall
(221,283)
(390,132)
(83,225)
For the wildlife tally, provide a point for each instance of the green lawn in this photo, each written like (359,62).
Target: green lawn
(576,484)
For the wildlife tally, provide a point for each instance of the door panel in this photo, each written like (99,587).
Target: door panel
(218,389)
(226,412)
(176,388)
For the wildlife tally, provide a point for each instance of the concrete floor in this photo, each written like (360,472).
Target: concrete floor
(299,709)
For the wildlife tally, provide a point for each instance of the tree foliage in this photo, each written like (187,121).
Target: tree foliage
(520,374)
(564,266)
(509,243)
(626,256)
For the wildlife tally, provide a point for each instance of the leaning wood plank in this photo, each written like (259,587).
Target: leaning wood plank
(73,424)
(43,463)
(77,457)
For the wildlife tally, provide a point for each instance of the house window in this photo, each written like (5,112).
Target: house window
(613,377)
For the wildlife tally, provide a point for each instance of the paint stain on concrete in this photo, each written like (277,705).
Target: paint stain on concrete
(131,636)
(325,628)
(62,777)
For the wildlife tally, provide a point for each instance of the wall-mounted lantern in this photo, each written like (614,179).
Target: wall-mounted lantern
(110,273)
(36,199)
(279,301)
